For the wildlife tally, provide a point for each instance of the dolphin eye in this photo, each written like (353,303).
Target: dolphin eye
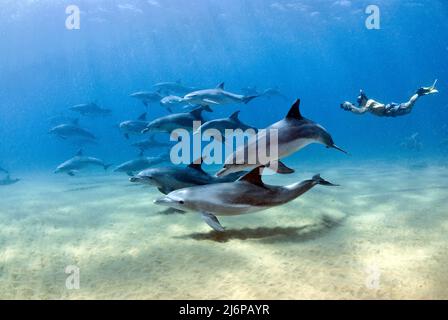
(181,202)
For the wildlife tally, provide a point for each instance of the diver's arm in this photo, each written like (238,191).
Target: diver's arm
(347,106)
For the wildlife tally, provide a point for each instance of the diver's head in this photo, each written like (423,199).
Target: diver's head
(362,98)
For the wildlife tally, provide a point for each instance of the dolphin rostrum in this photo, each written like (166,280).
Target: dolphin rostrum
(248,194)
(78,162)
(294,132)
(217,96)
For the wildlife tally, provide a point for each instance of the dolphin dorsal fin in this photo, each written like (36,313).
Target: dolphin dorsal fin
(254,177)
(142,117)
(294,112)
(197,165)
(79,153)
(220,86)
(234,116)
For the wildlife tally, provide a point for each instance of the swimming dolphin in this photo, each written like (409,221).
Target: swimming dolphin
(171,102)
(141,163)
(8,181)
(248,194)
(230,123)
(217,96)
(133,126)
(168,179)
(65,131)
(294,133)
(173,88)
(90,109)
(78,162)
(146,97)
(273,92)
(177,121)
(151,143)
(251,91)
(412,143)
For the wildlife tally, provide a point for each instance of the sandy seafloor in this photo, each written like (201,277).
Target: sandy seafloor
(382,234)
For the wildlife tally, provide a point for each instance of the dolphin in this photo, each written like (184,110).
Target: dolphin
(151,143)
(294,133)
(146,97)
(412,143)
(133,126)
(173,88)
(90,109)
(168,179)
(8,181)
(141,163)
(177,121)
(247,195)
(65,131)
(78,162)
(4,170)
(231,123)
(171,102)
(217,96)
(251,91)
(273,92)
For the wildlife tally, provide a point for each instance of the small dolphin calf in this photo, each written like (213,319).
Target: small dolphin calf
(8,181)
(147,98)
(168,179)
(177,121)
(294,133)
(134,126)
(90,109)
(65,131)
(217,96)
(273,93)
(173,88)
(248,194)
(79,162)
(151,143)
(141,163)
(221,125)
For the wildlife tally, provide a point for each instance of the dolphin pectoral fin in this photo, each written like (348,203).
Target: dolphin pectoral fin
(280,168)
(212,221)
(71,173)
(130,173)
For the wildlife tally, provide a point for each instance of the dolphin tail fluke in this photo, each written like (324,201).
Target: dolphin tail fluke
(319,180)
(248,99)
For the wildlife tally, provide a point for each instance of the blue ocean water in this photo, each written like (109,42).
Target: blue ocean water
(319,51)
(381,234)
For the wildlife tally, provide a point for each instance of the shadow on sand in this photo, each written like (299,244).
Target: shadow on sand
(272,235)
